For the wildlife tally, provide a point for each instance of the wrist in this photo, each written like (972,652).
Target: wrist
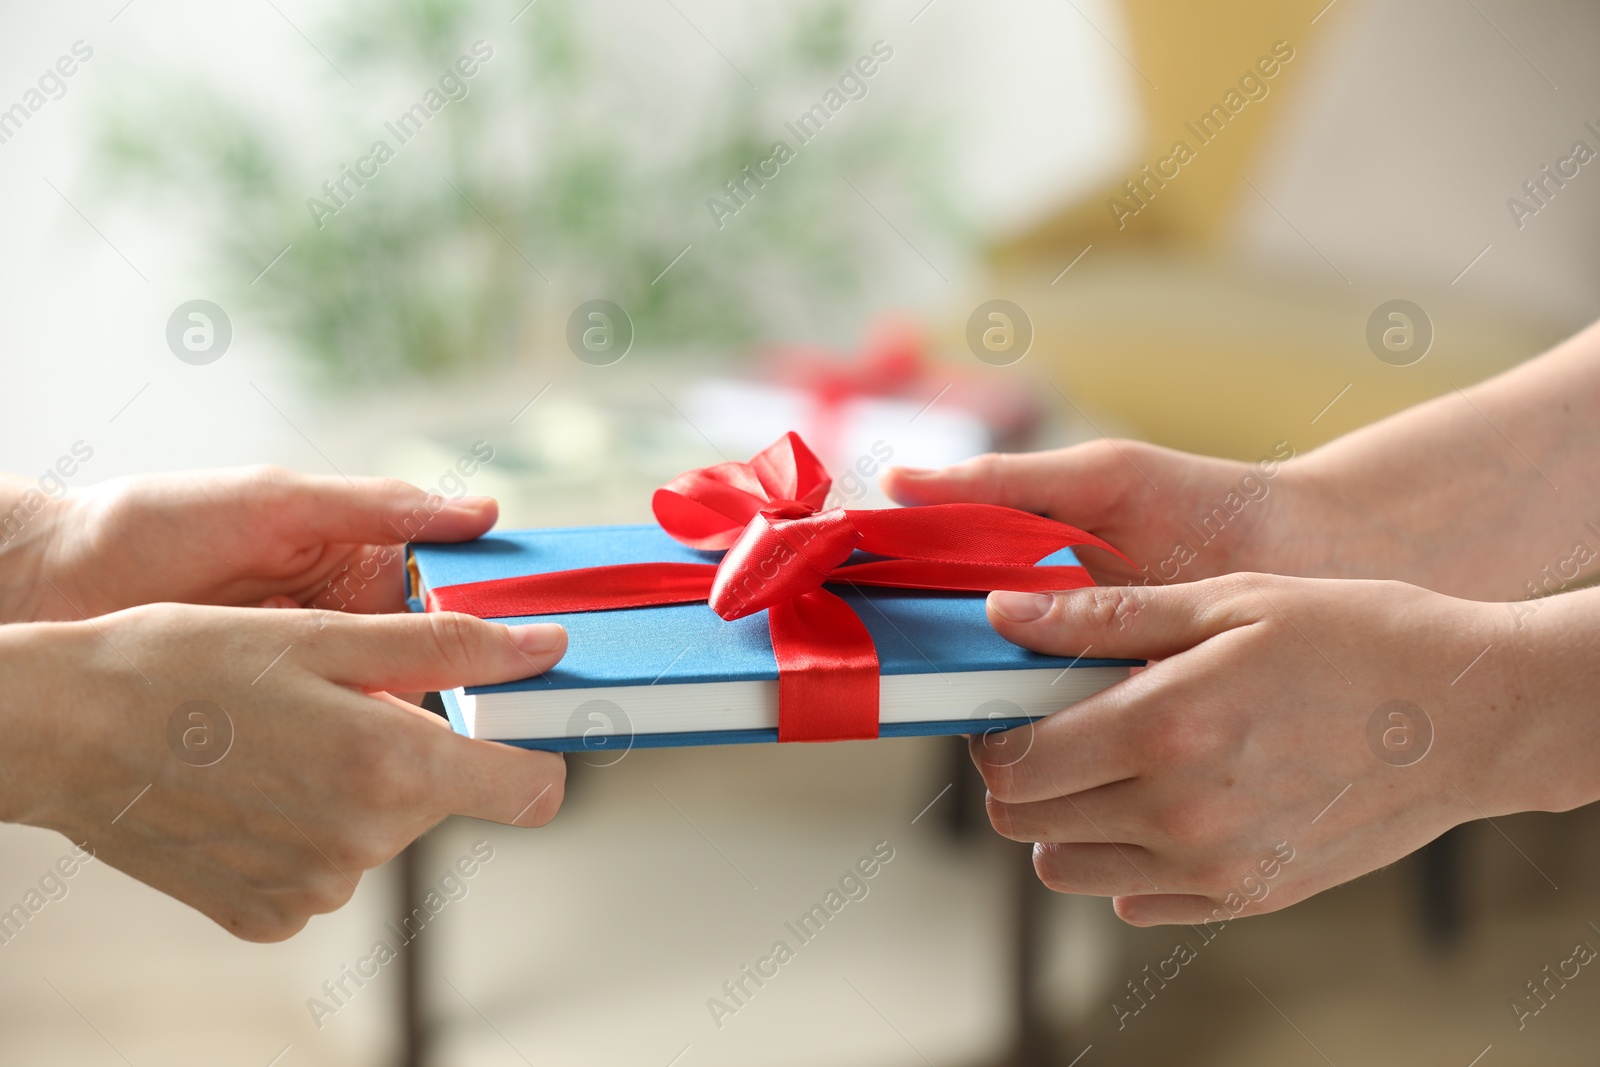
(1542,700)
(1313,532)
(1437,497)
(46,714)
(31,524)
(1358,513)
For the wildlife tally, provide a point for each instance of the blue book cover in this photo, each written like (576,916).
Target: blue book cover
(681,675)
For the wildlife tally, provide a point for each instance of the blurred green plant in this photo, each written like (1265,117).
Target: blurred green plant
(565,174)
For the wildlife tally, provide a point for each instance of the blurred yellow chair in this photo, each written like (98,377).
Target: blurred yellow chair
(1162,327)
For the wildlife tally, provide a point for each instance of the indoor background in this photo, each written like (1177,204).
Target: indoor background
(1219,300)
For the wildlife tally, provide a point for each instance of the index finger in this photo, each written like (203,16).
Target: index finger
(1081,484)
(374,510)
(428,651)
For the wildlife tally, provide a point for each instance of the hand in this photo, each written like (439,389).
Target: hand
(1249,767)
(300,771)
(255,537)
(1141,498)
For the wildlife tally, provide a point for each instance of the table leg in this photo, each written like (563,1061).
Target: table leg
(411,1007)
(1032,1039)
(1442,907)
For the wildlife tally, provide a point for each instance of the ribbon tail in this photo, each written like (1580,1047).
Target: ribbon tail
(968,533)
(961,577)
(626,585)
(827,670)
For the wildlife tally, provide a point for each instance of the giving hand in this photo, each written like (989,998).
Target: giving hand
(253,764)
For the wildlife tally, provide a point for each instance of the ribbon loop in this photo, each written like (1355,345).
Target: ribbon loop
(709,508)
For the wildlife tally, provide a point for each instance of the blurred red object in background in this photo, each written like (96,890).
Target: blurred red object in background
(894,363)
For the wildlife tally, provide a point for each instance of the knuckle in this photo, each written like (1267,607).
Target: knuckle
(255,920)
(262,932)
(1131,911)
(1001,472)
(400,492)
(356,853)
(1117,458)
(319,892)
(319,619)
(455,636)
(1002,816)
(289,911)
(998,770)
(989,469)
(1051,871)
(142,616)
(1106,451)
(327,894)
(1249,585)
(1106,607)
(268,476)
(986,466)
(1392,590)
(544,809)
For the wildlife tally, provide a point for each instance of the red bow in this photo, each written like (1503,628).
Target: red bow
(781,545)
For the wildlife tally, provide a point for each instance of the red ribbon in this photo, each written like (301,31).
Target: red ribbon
(781,544)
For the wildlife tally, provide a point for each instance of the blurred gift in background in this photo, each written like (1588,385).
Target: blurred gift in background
(890,401)
(558,253)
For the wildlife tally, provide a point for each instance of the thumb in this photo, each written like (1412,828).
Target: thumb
(376,511)
(1078,485)
(502,783)
(490,780)
(429,651)
(1122,622)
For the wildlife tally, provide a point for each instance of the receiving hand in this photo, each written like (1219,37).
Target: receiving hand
(256,537)
(1261,723)
(253,763)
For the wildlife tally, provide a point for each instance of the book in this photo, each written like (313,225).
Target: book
(681,675)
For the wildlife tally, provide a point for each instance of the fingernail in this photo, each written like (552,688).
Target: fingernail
(538,638)
(1021,607)
(913,472)
(473,503)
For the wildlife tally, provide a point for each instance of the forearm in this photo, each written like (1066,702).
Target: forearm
(1487,493)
